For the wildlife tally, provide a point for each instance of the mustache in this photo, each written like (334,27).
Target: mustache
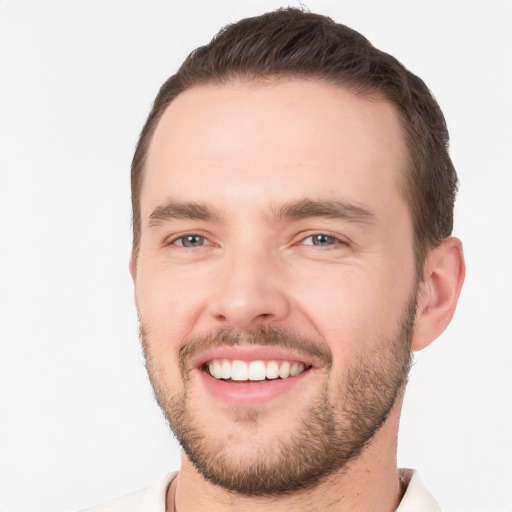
(263,335)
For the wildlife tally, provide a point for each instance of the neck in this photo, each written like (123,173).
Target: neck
(370,482)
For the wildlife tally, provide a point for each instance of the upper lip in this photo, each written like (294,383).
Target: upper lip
(251,353)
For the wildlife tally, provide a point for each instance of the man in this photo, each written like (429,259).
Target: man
(292,211)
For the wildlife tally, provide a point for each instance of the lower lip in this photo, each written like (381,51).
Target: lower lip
(250,393)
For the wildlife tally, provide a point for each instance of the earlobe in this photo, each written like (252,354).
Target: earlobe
(439,292)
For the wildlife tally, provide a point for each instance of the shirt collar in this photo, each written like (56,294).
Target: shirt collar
(416,498)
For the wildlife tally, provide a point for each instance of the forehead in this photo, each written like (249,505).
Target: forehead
(247,141)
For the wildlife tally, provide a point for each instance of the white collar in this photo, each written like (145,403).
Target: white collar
(152,499)
(416,497)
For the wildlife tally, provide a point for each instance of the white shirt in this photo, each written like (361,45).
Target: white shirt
(152,499)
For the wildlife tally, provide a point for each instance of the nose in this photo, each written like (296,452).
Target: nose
(251,291)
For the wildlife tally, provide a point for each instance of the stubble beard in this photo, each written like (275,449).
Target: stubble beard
(331,433)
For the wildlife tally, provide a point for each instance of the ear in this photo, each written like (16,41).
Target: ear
(439,292)
(132,266)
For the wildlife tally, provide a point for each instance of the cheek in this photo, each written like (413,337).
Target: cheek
(164,305)
(164,294)
(352,309)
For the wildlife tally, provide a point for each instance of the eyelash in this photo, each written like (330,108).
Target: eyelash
(335,240)
(189,235)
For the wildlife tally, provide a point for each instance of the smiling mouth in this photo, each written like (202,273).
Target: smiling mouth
(247,371)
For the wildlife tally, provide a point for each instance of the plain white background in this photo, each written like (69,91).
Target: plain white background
(78,423)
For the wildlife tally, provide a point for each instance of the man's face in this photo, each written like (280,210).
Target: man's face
(275,278)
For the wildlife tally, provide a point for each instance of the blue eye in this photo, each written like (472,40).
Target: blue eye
(190,241)
(320,240)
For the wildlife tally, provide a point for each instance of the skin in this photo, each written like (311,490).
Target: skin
(245,150)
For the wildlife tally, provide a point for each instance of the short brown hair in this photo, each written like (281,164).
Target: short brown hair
(291,43)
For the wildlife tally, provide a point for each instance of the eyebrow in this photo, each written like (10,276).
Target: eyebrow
(333,209)
(173,209)
(295,210)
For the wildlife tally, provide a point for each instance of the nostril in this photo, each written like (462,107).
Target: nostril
(244,306)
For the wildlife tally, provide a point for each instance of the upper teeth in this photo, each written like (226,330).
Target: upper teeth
(254,370)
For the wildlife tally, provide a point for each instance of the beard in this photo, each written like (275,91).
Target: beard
(330,433)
